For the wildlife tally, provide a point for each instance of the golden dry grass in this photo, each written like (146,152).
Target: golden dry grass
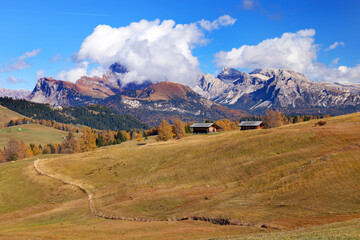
(300,181)
(288,177)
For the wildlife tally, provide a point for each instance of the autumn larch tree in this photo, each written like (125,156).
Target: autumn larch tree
(70,145)
(17,150)
(272,118)
(140,136)
(164,131)
(179,129)
(87,140)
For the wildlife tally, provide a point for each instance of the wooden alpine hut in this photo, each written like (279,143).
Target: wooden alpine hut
(205,128)
(246,125)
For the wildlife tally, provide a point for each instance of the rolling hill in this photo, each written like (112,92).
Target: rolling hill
(263,181)
(32,133)
(6,115)
(29,133)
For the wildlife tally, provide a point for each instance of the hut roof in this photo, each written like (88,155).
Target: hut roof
(204,125)
(250,124)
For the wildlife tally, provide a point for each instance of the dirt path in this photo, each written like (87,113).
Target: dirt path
(96,213)
(89,195)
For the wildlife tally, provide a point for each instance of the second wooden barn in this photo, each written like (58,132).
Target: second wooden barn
(246,125)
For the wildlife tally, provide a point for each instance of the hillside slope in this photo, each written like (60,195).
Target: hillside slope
(7,115)
(94,116)
(285,178)
(32,133)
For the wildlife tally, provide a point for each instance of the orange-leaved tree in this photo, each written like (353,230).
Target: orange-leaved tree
(164,131)
(87,140)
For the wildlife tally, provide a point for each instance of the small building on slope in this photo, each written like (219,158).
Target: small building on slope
(205,128)
(246,125)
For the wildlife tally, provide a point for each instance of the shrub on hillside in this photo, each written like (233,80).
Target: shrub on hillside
(320,123)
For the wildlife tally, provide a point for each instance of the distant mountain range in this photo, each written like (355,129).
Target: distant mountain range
(146,101)
(232,94)
(287,90)
(166,100)
(15,94)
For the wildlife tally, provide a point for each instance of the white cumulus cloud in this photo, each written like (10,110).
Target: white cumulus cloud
(74,74)
(292,50)
(150,50)
(295,51)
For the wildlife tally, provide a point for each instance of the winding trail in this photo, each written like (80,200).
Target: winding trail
(94,212)
(89,195)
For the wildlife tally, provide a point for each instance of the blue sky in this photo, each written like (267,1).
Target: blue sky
(42,38)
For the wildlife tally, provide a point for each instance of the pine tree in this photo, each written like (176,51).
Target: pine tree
(100,140)
(120,136)
(11,123)
(296,119)
(187,128)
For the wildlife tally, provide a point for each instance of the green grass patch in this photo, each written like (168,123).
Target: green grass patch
(32,133)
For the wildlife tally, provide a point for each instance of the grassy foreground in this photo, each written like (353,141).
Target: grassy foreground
(298,181)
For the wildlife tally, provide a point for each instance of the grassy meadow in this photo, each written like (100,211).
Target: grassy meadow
(293,182)
(32,133)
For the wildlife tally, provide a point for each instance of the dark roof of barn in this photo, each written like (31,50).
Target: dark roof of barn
(250,124)
(204,125)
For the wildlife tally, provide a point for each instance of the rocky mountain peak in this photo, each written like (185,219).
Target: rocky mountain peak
(284,73)
(230,74)
(164,91)
(281,88)
(118,68)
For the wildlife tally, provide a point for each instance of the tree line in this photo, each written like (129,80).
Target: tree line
(92,138)
(88,140)
(93,116)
